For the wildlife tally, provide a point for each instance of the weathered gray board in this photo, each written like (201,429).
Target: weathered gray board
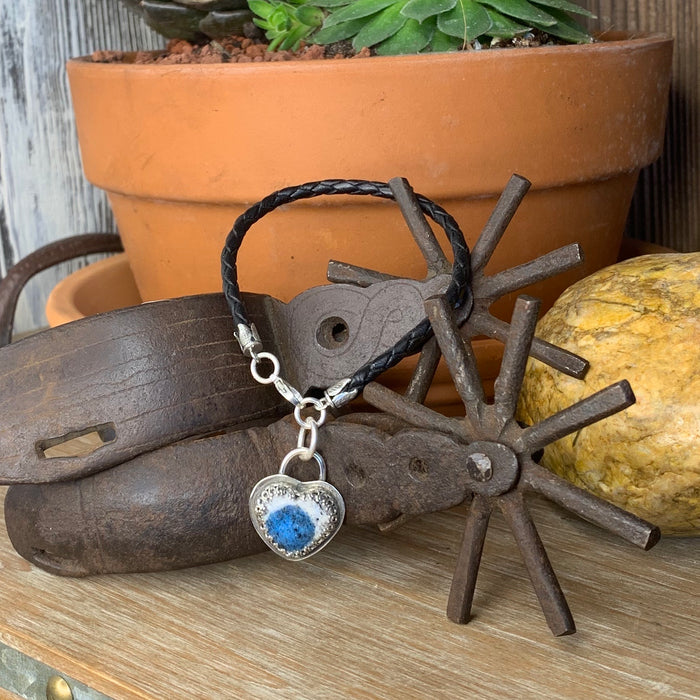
(666,205)
(43,193)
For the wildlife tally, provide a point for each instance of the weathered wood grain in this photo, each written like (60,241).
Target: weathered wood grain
(366,619)
(43,193)
(666,205)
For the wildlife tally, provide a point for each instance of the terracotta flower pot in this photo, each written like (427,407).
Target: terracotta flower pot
(183,150)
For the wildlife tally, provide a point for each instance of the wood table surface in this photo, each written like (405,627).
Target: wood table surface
(365,618)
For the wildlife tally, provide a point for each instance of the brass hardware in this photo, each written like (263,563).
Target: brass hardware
(58,689)
(26,677)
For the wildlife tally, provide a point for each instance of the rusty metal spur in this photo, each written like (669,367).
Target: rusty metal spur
(185,432)
(496,454)
(153,385)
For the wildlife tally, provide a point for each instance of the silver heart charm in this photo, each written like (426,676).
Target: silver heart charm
(296,518)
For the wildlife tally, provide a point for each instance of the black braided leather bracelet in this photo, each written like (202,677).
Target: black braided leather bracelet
(458,292)
(297,519)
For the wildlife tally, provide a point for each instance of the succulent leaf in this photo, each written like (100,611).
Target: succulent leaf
(413,37)
(441,42)
(420,10)
(466,21)
(524,10)
(261,8)
(383,25)
(503,27)
(309,16)
(292,38)
(338,32)
(565,6)
(566,28)
(356,10)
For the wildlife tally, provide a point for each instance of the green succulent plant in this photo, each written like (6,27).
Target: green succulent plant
(286,24)
(411,26)
(386,26)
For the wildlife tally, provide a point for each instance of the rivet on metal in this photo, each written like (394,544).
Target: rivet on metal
(479,467)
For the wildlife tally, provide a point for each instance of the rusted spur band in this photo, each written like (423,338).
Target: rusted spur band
(186,504)
(47,256)
(135,379)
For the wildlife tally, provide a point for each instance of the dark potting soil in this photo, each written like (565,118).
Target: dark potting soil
(239,49)
(233,49)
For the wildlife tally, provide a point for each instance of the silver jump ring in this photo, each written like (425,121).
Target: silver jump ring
(299,452)
(309,420)
(313,439)
(274,375)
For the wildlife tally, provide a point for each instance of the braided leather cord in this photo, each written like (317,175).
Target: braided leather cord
(458,293)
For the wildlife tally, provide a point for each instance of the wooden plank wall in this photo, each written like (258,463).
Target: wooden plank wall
(43,195)
(666,207)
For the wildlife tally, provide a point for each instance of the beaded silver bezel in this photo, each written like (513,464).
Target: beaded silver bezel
(277,486)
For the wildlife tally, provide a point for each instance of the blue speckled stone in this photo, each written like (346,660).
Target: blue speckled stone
(290,527)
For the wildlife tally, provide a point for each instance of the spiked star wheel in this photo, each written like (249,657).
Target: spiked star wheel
(499,462)
(476,318)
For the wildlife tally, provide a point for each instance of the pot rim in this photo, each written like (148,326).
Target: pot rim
(607,41)
(165,101)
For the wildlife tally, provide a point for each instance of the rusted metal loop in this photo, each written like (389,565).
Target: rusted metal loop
(300,452)
(47,256)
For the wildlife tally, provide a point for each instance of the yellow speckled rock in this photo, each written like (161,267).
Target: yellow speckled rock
(638,320)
